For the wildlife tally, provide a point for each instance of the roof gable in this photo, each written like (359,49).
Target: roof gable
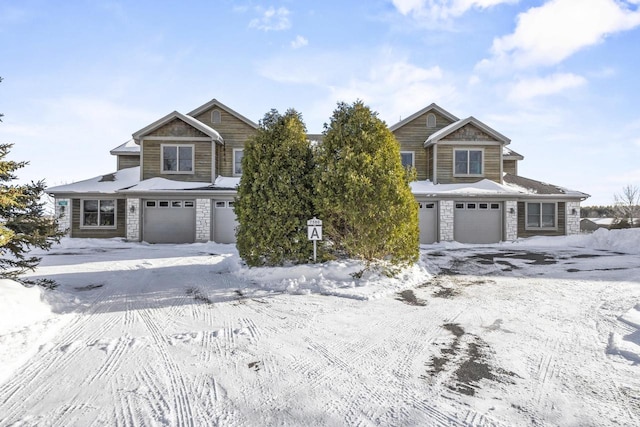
(453,127)
(204,129)
(215,103)
(432,107)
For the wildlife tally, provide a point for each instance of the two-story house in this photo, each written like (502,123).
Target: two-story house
(176,182)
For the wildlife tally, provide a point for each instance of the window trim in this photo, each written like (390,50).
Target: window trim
(540,228)
(233,165)
(413,157)
(213,116)
(99,227)
(468,150)
(178,146)
(429,125)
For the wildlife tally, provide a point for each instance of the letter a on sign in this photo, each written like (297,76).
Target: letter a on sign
(314,233)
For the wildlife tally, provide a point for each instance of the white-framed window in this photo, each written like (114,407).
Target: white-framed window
(216,117)
(238,153)
(407,158)
(542,216)
(431,120)
(177,158)
(468,162)
(98,213)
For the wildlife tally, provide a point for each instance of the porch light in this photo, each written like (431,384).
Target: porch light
(512,210)
(132,209)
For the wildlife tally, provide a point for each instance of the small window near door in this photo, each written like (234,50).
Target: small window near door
(407,159)
(99,213)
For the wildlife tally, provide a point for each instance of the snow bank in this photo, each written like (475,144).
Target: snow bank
(627,346)
(627,241)
(26,321)
(334,278)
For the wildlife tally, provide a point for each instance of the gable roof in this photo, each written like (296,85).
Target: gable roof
(176,115)
(426,109)
(215,103)
(102,184)
(437,136)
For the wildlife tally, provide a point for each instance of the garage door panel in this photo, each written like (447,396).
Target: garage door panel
(477,222)
(169,221)
(428,222)
(224,222)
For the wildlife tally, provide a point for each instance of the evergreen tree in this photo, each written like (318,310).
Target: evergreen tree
(363,193)
(23,222)
(275,193)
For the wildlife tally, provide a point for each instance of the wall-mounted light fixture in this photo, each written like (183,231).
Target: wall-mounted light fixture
(574,211)
(132,209)
(512,210)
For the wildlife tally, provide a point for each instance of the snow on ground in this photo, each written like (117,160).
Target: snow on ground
(542,331)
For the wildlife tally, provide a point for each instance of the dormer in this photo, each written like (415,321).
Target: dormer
(178,147)
(127,154)
(466,151)
(510,161)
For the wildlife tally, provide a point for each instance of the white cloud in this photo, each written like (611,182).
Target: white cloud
(386,81)
(548,34)
(299,42)
(442,10)
(529,88)
(272,19)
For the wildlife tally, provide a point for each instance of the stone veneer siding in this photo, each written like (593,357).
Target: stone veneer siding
(511,220)
(446,220)
(203,220)
(63,215)
(133,220)
(573,220)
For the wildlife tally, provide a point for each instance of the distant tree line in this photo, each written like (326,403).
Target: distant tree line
(625,210)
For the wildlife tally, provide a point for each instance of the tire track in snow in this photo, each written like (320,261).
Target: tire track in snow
(35,380)
(184,411)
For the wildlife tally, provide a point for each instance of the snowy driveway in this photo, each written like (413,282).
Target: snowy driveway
(181,335)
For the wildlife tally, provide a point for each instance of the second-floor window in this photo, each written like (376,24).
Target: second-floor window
(407,158)
(468,162)
(238,153)
(177,158)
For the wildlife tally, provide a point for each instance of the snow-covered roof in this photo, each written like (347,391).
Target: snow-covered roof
(226,182)
(102,184)
(484,187)
(215,103)
(426,109)
(509,154)
(207,130)
(437,136)
(531,186)
(163,184)
(128,148)
(600,221)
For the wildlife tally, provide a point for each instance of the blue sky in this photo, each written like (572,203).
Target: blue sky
(561,78)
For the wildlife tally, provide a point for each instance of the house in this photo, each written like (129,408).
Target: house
(176,182)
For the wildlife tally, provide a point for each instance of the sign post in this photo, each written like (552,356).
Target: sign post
(314,232)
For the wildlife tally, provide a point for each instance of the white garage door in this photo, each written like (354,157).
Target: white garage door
(224,221)
(428,222)
(169,221)
(477,222)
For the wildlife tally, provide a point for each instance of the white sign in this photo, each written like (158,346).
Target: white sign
(314,232)
(314,221)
